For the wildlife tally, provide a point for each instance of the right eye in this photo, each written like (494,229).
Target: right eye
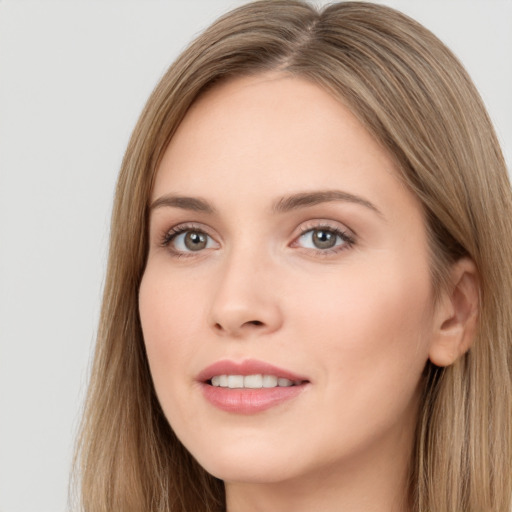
(186,240)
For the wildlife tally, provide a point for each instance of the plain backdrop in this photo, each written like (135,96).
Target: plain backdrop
(74,76)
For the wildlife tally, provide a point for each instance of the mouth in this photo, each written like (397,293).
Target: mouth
(256,381)
(250,386)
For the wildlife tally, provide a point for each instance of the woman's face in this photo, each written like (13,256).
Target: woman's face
(286,304)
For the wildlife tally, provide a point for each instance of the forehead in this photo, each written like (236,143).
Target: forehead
(269,135)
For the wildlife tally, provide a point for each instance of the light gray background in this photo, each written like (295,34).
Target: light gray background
(74,76)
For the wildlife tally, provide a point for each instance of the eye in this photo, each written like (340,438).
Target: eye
(323,238)
(188,240)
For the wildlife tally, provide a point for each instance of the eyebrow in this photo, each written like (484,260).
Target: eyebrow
(194,204)
(305,199)
(283,205)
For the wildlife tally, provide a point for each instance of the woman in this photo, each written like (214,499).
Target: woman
(307,301)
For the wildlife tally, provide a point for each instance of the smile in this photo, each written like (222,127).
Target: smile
(257,381)
(249,386)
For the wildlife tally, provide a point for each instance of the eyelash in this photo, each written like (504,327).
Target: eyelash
(347,238)
(174,232)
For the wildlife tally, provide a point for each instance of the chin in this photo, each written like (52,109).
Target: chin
(249,462)
(247,472)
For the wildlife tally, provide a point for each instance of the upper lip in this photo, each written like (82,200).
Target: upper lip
(246,367)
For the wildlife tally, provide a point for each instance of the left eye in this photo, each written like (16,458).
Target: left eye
(322,238)
(192,241)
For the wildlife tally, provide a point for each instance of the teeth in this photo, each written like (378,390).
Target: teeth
(235,381)
(257,381)
(269,381)
(253,381)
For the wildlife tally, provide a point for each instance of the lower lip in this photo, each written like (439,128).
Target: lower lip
(249,401)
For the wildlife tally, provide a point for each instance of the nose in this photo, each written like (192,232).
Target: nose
(245,302)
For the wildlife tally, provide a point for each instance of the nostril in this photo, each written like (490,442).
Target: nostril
(237,328)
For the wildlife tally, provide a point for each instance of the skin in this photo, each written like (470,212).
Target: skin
(357,320)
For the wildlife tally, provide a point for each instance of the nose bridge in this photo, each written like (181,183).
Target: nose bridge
(244,301)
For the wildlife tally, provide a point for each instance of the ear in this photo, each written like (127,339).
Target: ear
(456,315)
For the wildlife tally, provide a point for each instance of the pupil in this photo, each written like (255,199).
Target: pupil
(195,241)
(324,239)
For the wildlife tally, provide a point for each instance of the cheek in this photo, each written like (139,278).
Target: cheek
(169,317)
(370,326)
(366,335)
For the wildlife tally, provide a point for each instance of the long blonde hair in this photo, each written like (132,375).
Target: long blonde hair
(416,99)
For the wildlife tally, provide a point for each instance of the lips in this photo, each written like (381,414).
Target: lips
(245,368)
(250,386)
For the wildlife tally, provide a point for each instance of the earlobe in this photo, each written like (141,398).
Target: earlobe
(456,316)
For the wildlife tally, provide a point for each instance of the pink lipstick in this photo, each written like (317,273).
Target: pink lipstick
(249,386)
